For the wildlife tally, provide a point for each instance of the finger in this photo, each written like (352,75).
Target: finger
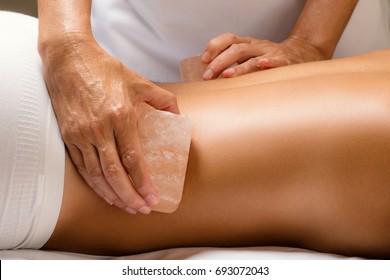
(161,99)
(220,43)
(244,68)
(98,181)
(236,53)
(78,161)
(132,158)
(119,180)
(273,62)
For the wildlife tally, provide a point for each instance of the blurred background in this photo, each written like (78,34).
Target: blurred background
(28,7)
(23,6)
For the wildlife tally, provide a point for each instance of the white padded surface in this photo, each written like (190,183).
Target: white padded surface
(201,253)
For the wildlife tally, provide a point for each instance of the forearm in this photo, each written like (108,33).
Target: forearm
(60,20)
(322,23)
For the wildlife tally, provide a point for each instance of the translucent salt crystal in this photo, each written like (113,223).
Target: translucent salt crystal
(165,140)
(192,69)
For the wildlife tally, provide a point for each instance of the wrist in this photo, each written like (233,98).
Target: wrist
(61,22)
(58,44)
(313,50)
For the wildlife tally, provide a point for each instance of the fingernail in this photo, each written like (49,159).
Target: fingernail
(108,201)
(145,210)
(130,210)
(152,199)
(206,57)
(263,62)
(208,75)
(229,73)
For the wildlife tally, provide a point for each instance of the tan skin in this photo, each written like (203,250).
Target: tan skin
(93,94)
(296,156)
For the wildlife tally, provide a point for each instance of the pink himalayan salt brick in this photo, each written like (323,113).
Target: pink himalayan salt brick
(165,140)
(192,69)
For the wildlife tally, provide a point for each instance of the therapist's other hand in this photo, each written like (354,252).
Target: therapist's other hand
(230,55)
(94,96)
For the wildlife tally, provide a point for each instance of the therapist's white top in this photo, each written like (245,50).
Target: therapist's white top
(152,36)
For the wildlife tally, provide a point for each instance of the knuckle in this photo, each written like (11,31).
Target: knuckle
(95,173)
(230,36)
(68,133)
(81,169)
(225,37)
(94,127)
(119,113)
(130,158)
(77,131)
(211,44)
(238,49)
(112,172)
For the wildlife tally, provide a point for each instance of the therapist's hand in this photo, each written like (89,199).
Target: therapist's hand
(94,96)
(248,55)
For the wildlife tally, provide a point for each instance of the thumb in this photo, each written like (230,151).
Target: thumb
(162,99)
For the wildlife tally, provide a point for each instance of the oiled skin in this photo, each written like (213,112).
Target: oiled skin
(296,156)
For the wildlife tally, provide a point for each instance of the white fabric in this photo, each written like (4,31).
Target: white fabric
(201,253)
(32,153)
(367,30)
(152,36)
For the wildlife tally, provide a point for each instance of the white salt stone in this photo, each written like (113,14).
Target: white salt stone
(165,140)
